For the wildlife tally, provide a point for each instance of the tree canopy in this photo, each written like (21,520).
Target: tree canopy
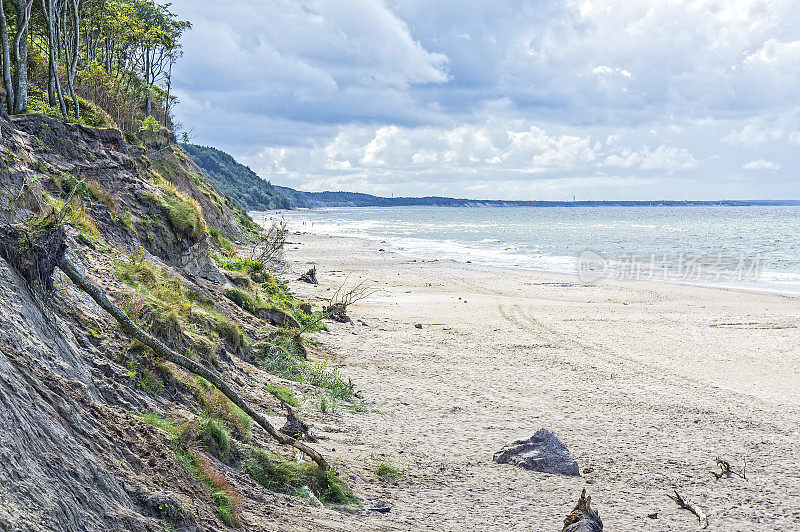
(59,56)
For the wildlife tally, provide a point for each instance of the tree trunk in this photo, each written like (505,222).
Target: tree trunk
(156,345)
(55,93)
(6,60)
(20,80)
(72,51)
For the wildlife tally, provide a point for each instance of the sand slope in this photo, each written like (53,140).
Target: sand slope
(646,384)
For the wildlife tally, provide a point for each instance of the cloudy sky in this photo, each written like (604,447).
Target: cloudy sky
(501,99)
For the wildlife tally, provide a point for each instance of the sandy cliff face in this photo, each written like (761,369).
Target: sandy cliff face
(73,456)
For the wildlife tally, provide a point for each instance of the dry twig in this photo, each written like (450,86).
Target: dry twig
(686,505)
(726,470)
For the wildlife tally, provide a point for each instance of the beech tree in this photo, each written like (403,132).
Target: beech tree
(116,53)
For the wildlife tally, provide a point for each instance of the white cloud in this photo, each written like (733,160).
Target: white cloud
(761,164)
(751,135)
(420,95)
(666,158)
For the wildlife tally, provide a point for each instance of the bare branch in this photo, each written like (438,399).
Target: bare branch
(686,505)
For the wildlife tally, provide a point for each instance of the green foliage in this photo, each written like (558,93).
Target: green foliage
(90,114)
(386,470)
(326,404)
(283,393)
(224,507)
(136,270)
(157,420)
(75,215)
(139,362)
(285,476)
(215,436)
(247,301)
(280,357)
(183,213)
(224,497)
(230,331)
(150,125)
(224,244)
(235,180)
(238,264)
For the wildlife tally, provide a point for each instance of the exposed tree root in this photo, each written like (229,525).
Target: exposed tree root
(156,345)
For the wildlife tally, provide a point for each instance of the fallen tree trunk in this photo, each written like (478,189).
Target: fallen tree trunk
(156,345)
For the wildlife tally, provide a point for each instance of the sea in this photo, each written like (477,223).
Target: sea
(753,247)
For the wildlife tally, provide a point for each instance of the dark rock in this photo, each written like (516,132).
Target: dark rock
(542,452)
(381,506)
(33,253)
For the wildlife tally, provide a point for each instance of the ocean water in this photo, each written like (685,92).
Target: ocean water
(752,247)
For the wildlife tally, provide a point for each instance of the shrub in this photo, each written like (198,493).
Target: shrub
(249,302)
(280,358)
(136,270)
(222,241)
(238,264)
(385,470)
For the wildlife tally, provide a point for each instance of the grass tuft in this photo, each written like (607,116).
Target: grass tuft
(285,476)
(283,393)
(386,471)
(215,436)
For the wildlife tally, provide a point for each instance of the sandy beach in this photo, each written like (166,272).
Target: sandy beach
(646,383)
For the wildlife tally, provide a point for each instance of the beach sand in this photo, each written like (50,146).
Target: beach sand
(645,382)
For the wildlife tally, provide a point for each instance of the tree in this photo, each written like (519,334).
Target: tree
(156,46)
(6,58)
(54,91)
(19,92)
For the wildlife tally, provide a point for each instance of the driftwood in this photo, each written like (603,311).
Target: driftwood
(310,276)
(583,518)
(686,505)
(726,470)
(156,345)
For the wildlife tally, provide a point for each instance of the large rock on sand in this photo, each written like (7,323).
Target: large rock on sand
(542,452)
